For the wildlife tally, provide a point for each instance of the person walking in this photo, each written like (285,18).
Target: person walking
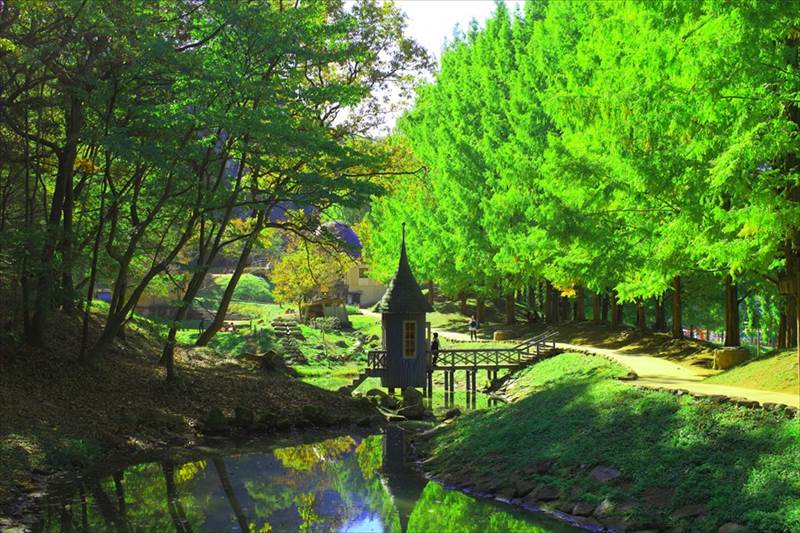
(435,348)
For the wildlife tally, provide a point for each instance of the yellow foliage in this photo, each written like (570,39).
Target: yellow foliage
(85,165)
(307,456)
(188,471)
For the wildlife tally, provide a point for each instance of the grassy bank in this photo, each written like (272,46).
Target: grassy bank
(774,372)
(57,414)
(571,415)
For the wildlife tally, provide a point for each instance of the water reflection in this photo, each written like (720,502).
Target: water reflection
(347,483)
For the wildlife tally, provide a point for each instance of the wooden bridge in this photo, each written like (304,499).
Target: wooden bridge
(470,360)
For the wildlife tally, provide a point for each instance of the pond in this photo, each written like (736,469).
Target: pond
(344,483)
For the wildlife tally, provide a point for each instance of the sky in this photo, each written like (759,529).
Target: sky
(430,22)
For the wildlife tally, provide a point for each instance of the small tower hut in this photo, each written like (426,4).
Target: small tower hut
(403,308)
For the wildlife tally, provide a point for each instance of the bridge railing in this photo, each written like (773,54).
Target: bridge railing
(477,357)
(538,342)
(376,359)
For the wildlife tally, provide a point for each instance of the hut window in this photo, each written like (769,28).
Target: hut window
(409,339)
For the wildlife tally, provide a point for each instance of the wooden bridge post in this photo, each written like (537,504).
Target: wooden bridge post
(446,381)
(430,384)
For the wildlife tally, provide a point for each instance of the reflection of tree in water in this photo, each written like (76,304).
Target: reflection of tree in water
(324,486)
(134,499)
(439,509)
(307,457)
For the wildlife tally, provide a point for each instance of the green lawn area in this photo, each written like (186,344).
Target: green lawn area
(740,463)
(774,372)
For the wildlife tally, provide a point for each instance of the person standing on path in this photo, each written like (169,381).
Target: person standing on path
(473,328)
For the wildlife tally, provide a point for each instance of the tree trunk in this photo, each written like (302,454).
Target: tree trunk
(230,494)
(691,332)
(641,319)
(66,164)
(550,316)
(431,292)
(227,296)
(791,321)
(480,308)
(677,323)
(531,294)
(604,308)
(661,319)
(174,505)
(93,274)
(781,341)
(731,313)
(462,303)
(597,304)
(580,308)
(615,314)
(565,309)
(511,308)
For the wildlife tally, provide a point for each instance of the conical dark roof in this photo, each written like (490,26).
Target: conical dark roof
(403,294)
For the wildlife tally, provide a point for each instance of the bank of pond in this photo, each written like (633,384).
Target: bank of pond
(347,482)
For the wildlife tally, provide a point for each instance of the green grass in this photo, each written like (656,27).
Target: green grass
(250,288)
(740,463)
(231,344)
(329,377)
(774,372)
(368,325)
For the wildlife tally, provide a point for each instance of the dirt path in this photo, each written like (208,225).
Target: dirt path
(663,374)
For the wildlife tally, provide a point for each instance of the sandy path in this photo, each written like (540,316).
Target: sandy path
(664,374)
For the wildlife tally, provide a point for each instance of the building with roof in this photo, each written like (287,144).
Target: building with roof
(356,287)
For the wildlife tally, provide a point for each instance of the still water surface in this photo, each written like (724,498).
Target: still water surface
(345,483)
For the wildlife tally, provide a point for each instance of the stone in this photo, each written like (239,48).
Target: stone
(502,335)
(341,344)
(731,527)
(604,473)
(390,402)
(547,493)
(214,422)
(791,412)
(719,398)
(506,493)
(630,376)
(605,508)
(729,357)
(243,417)
(583,509)
(452,413)
(588,522)
(365,421)
(540,468)
(522,488)
(413,412)
(564,506)
(749,404)
(658,497)
(412,396)
(689,511)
